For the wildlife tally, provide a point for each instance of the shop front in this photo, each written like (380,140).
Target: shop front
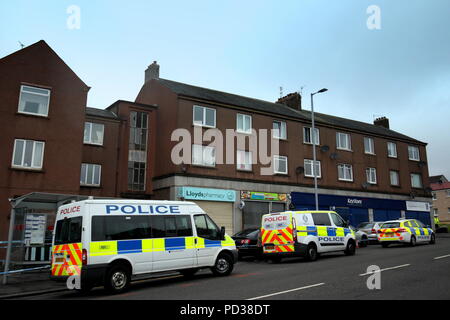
(360,209)
(217,203)
(254,204)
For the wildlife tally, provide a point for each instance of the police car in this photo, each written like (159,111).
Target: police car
(306,234)
(111,242)
(408,231)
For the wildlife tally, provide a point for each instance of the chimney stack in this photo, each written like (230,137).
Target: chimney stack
(292,100)
(382,122)
(152,72)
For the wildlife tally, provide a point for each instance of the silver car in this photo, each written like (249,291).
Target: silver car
(371,229)
(361,237)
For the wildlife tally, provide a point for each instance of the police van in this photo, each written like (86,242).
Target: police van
(112,242)
(306,234)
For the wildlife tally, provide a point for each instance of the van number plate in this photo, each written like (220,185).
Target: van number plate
(59,258)
(269,247)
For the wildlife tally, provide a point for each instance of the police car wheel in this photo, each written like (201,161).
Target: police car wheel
(412,242)
(385,245)
(117,279)
(433,239)
(311,252)
(351,248)
(223,265)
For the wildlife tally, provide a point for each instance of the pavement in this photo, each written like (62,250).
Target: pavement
(419,272)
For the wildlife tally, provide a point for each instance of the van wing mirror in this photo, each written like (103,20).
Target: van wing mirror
(222,233)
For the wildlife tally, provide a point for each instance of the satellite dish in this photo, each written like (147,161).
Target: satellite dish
(334,156)
(299,170)
(324,148)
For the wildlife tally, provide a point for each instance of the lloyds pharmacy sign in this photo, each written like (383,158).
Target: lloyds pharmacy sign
(191,193)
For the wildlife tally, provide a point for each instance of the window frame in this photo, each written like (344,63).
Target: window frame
(351,171)
(371,144)
(90,142)
(395,149)
(245,155)
(398,178)
(202,164)
(283,124)
(420,180)
(311,165)
(413,153)
(39,94)
(249,131)
(348,141)
(203,124)
(310,135)
(277,158)
(31,167)
(369,172)
(84,184)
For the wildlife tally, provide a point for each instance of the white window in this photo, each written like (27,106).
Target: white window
(90,174)
(371,175)
(93,133)
(28,154)
(203,155)
(279,130)
(392,149)
(309,168)
(395,181)
(307,135)
(34,100)
(345,172)
(416,180)
(280,164)
(369,146)
(244,123)
(343,141)
(435,212)
(244,160)
(205,117)
(413,153)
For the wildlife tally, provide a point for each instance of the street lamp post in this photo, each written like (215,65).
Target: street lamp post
(313,137)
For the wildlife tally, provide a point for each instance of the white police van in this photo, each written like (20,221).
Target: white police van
(111,242)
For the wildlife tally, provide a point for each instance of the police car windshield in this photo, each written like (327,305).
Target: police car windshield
(365,225)
(390,225)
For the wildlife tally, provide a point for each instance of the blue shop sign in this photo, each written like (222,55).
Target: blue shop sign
(191,193)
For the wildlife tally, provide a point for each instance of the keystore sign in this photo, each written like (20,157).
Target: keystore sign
(191,193)
(266,196)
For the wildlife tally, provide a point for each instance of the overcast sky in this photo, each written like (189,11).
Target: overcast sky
(251,48)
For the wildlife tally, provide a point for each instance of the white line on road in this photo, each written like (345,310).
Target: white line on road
(446,256)
(281,292)
(396,267)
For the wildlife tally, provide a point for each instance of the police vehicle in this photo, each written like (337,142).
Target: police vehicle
(111,242)
(306,234)
(408,231)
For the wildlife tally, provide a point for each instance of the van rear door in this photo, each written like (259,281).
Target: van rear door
(277,233)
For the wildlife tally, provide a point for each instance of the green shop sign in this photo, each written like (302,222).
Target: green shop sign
(266,196)
(191,193)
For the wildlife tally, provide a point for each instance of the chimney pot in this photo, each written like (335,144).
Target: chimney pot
(382,122)
(292,100)
(152,72)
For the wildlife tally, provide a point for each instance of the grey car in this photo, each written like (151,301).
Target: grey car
(371,229)
(361,237)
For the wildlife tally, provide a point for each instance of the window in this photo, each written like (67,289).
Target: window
(93,133)
(203,155)
(371,175)
(244,160)
(337,220)
(206,228)
(343,141)
(68,230)
(205,117)
(413,153)
(416,180)
(307,135)
(28,154)
(448,210)
(34,100)
(279,130)
(309,168)
(321,219)
(244,123)
(90,174)
(420,224)
(433,194)
(435,212)
(137,151)
(448,193)
(392,149)
(106,228)
(369,146)
(394,177)
(345,172)
(280,165)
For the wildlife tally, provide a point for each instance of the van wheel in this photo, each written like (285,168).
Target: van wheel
(351,248)
(413,241)
(433,239)
(188,273)
(117,279)
(223,265)
(311,252)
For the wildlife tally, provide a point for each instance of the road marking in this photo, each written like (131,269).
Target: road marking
(396,267)
(282,292)
(446,256)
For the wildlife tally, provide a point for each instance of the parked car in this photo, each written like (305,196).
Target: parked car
(371,229)
(406,231)
(248,243)
(361,237)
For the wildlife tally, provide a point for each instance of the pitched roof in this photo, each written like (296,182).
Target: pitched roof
(279,109)
(440,186)
(437,179)
(101,113)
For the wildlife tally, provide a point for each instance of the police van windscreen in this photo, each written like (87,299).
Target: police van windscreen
(276,221)
(68,230)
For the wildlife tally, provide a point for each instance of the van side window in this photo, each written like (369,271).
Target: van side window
(120,228)
(206,228)
(321,219)
(337,220)
(184,226)
(171,226)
